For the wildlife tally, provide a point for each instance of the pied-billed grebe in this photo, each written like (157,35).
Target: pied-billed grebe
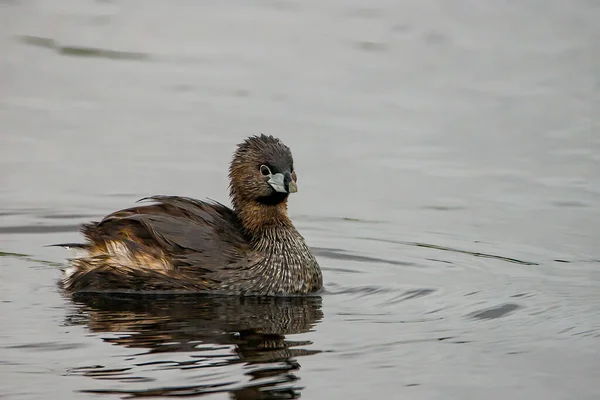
(183,244)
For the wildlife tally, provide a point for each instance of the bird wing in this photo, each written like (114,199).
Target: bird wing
(196,237)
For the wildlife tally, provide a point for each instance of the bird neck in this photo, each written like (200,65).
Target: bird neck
(260,219)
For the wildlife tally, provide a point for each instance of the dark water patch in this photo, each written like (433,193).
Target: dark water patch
(97,371)
(10,213)
(102,53)
(37,41)
(570,204)
(401,28)
(371,47)
(22,211)
(170,364)
(183,391)
(81,51)
(26,257)
(543,311)
(344,313)
(440,261)
(385,347)
(410,294)
(183,88)
(587,333)
(339,254)
(443,208)
(495,312)
(523,295)
(361,290)
(241,93)
(411,321)
(444,248)
(34,229)
(567,329)
(209,331)
(435,38)
(46,346)
(9,254)
(109,374)
(435,311)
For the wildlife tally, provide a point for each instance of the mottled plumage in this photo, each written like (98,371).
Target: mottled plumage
(182,244)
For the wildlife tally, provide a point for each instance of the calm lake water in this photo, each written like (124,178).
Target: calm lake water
(448,156)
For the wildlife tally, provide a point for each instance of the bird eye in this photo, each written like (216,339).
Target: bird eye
(265,170)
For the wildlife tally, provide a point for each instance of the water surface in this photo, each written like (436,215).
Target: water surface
(448,158)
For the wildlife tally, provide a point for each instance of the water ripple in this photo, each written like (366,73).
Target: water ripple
(80,51)
(495,312)
(444,248)
(339,254)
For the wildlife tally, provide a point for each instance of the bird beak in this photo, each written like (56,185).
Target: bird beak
(292,187)
(283,183)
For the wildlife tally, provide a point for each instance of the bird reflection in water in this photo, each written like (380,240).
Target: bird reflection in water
(212,332)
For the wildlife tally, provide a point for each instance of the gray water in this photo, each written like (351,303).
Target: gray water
(448,157)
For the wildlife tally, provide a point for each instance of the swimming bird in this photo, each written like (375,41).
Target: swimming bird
(181,244)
